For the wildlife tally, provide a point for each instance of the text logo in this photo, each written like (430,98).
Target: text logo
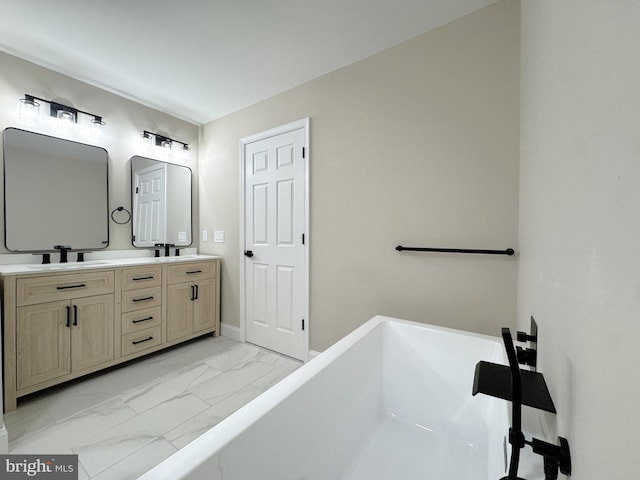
(51,467)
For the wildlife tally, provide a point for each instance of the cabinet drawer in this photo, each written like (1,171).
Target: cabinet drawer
(51,288)
(141,298)
(136,342)
(141,277)
(138,320)
(191,271)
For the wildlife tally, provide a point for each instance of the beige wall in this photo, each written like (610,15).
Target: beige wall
(125,121)
(417,145)
(579,223)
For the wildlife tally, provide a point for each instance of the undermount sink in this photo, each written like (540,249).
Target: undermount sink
(175,259)
(103,263)
(65,266)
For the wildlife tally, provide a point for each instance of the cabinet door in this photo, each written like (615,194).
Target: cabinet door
(204,307)
(179,310)
(42,343)
(92,331)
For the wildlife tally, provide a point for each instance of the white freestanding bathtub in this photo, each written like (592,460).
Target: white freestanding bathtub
(392,400)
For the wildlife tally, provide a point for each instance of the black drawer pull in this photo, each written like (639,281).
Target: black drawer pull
(72,286)
(141,341)
(143,299)
(142,319)
(150,277)
(194,271)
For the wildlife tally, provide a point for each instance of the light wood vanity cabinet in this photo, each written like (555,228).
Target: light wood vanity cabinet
(56,339)
(141,318)
(59,326)
(63,326)
(191,300)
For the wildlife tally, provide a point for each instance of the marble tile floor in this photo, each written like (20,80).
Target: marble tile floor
(123,422)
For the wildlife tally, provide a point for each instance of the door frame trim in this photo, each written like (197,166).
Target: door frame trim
(303,123)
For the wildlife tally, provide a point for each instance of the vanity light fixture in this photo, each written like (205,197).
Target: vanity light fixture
(67,116)
(29,110)
(145,141)
(164,143)
(97,127)
(184,152)
(66,120)
(165,149)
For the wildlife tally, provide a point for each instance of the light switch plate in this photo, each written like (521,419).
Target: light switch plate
(218,236)
(205,236)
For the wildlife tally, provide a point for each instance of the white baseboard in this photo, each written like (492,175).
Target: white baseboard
(313,354)
(230,331)
(233,332)
(4,440)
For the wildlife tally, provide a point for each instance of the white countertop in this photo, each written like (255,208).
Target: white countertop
(34,268)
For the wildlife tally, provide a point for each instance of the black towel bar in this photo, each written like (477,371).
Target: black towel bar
(508,251)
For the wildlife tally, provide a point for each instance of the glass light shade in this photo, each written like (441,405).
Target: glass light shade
(184,153)
(29,111)
(165,148)
(97,128)
(66,121)
(145,142)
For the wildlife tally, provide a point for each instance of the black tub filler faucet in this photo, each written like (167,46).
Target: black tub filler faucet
(522,387)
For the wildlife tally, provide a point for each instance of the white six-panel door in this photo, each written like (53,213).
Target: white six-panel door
(275,277)
(150,205)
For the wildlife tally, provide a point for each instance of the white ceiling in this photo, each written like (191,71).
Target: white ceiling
(202,59)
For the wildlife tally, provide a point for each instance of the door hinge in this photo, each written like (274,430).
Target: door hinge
(133,238)
(304,152)
(137,189)
(303,238)
(303,324)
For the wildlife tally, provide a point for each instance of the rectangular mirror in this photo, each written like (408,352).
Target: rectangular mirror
(55,193)
(161,199)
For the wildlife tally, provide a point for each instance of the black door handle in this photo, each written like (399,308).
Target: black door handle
(248,253)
